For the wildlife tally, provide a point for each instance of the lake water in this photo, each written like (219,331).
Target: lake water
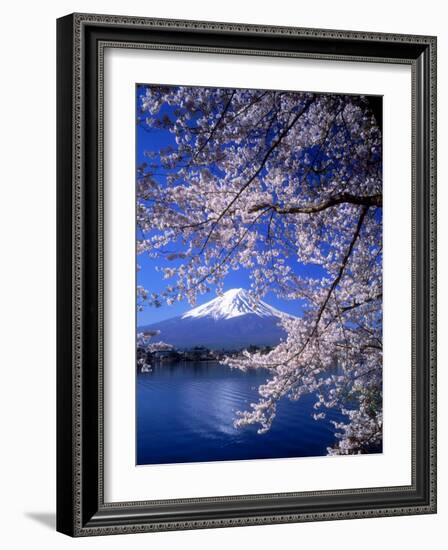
(185,413)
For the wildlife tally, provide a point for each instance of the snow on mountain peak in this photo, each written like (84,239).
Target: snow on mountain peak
(233,303)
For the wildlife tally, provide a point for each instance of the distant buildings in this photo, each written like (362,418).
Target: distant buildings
(150,355)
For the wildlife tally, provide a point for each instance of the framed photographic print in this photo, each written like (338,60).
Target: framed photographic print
(246,274)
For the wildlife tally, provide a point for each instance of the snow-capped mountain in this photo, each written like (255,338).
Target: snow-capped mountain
(230,321)
(233,303)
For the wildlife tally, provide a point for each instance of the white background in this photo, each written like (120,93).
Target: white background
(27,301)
(125,482)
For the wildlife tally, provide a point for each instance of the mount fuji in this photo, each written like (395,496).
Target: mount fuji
(230,321)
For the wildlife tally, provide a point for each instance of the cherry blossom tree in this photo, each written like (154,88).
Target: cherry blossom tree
(146,349)
(285,185)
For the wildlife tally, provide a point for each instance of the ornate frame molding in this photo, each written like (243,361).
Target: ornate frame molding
(81,42)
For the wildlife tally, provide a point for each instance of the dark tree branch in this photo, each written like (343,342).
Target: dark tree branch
(359,304)
(342,198)
(342,267)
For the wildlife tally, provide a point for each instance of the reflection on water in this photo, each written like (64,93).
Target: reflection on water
(185,413)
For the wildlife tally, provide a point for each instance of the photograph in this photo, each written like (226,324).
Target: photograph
(259,272)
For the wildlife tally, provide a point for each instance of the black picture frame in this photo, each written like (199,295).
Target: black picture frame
(81,510)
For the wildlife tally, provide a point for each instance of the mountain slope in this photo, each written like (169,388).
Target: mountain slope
(231,321)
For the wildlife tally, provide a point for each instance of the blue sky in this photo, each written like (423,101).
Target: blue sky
(148,277)
(152,280)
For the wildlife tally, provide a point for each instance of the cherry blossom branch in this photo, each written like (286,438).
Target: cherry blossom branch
(332,287)
(259,169)
(213,131)
(342,198)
